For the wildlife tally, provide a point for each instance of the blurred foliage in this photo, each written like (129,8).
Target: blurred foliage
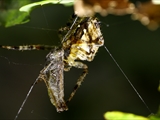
(10,14)
(30,7)
(117,115)
(13,12)
(156,116)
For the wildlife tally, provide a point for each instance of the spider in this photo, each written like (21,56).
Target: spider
(81,41)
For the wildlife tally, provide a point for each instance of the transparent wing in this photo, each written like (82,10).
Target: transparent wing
(52,74)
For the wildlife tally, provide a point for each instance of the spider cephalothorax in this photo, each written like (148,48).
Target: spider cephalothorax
(84,40)
(81,42)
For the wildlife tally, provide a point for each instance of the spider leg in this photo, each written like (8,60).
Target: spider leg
(62,31)
(66,67)
(80,79)
(28,47)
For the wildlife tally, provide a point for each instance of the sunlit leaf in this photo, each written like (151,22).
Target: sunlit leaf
(117,115)
(13,12)
(30,7)
(155,116)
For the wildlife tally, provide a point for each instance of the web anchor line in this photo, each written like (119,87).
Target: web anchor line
(20,109)
(128,80)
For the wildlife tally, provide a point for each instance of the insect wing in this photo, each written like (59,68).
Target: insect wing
(52,74)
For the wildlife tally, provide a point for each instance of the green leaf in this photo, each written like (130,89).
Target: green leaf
(14,17)
(28,8)
(15,12)
(10,14)
(155,116)
(117,115)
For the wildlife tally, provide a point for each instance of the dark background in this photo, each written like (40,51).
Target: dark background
(135,48)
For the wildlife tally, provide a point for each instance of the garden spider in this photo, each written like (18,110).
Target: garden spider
(81,42)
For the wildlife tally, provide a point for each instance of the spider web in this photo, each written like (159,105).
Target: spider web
(135,48)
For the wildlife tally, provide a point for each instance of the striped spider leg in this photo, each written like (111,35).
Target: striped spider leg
(81,42)
(51,74)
